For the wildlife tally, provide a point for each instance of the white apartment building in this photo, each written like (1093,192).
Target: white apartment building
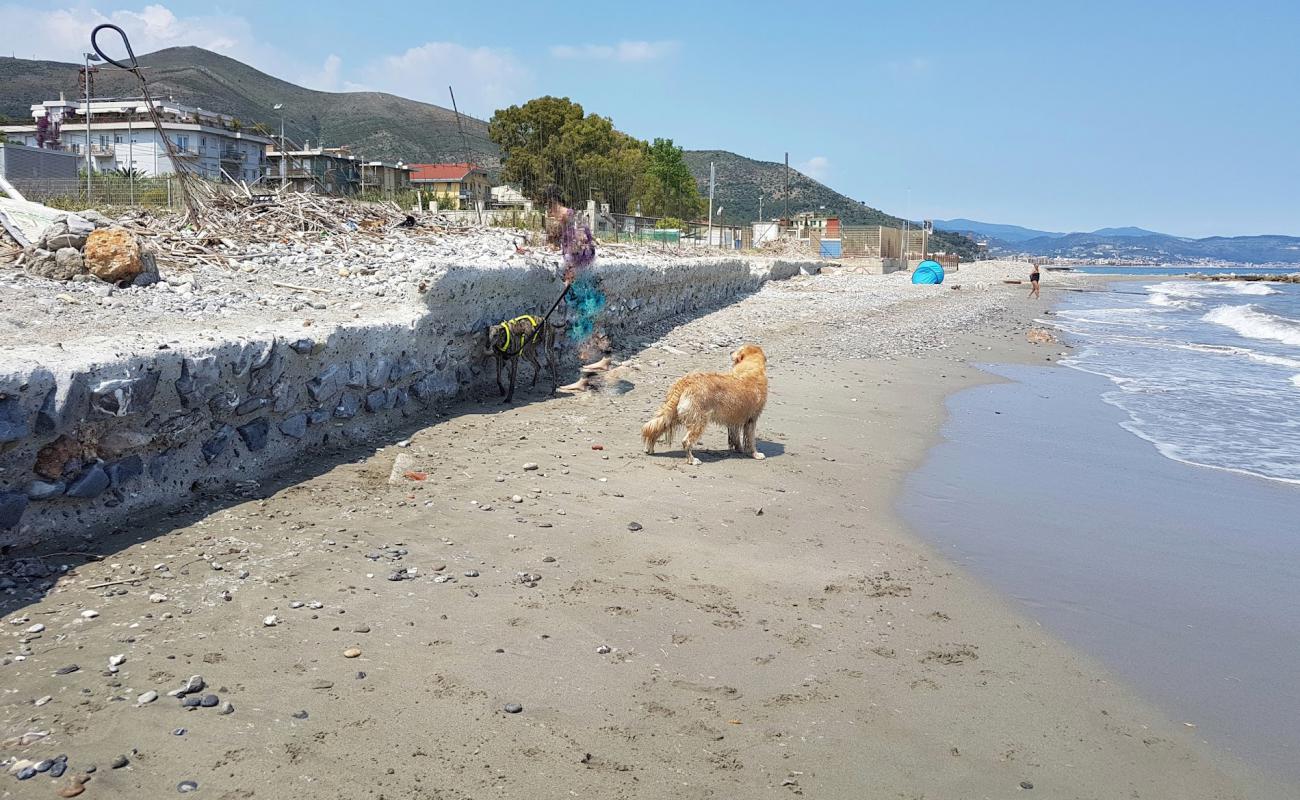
(122,135)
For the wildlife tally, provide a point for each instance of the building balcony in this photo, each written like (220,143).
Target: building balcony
(233,155)
(101,150)
(186,154)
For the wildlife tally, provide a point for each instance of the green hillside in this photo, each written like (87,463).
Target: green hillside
(375,125)
(741,182)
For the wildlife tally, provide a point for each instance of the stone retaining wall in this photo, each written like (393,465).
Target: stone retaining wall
(92,435)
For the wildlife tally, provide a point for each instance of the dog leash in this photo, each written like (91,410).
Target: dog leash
(537,329)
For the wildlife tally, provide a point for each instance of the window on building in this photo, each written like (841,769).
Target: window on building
(203,141)
(103,140)
(117,138)
(183,142)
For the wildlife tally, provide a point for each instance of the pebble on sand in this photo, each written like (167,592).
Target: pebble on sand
(530,466)
(270,620)
(67,670)
(634,526)
(146,698)
(37,628)
(299,714)
(119,762)
(89,613)
(352,652)
(117,660)
(157,597)
(513,708)
(185,787)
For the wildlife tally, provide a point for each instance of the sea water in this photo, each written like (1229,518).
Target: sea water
(1143,504)
(1207,372)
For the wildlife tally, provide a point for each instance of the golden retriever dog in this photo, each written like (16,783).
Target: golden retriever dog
(732,399)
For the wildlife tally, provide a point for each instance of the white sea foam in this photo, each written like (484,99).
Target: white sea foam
(1255,324)
(1211,288)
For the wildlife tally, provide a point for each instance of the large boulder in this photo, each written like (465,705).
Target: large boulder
(113,255)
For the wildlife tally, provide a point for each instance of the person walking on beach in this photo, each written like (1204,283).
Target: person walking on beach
(1033,282)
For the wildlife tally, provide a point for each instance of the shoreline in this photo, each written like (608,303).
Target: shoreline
(817,647)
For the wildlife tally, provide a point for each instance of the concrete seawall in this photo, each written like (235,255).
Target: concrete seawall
(91,432)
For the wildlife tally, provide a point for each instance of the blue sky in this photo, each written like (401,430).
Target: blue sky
(1179,117)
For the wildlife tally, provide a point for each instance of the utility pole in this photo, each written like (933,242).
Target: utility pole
(713,177)
(89,57)
(130,151)
(284,157)
(787,186)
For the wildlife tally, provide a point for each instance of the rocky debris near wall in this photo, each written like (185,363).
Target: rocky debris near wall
(87,246)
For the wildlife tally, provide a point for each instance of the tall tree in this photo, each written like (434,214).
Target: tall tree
(551,140)
(668,189)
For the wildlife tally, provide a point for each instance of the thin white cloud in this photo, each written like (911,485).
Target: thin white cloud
(484,78)
(63,34)
(328,78)
(626,51)
(818,167)
(909,67)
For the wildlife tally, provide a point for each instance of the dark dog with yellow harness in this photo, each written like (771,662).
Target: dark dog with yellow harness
(521,336)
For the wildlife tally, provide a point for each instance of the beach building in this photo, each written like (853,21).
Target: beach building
(122,135)
(453,186)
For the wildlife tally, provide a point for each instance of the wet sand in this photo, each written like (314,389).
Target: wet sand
(765,628)
(1180,578)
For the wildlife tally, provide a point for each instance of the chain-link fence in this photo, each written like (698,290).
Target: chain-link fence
(101,191)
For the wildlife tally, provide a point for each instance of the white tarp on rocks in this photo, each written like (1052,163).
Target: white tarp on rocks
(25,220)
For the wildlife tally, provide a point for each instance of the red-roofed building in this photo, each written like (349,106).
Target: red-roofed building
(453,186)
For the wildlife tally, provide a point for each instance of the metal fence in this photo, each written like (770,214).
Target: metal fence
(103,190)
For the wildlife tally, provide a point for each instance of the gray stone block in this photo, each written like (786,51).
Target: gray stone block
(223,403)
(376,400)
(253,357)
(119,472)
(217,444)
(199,381)
(90,483)
(302,346)
(295,426)
(252,404)
(319,417)
(13,421)
(255,433)
(12,506)
(327,385)
(357,373)
(284,396)
(379,372)
(119,397)
(348,406)
(45,490)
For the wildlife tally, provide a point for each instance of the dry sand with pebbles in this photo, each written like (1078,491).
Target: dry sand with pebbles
(740,629)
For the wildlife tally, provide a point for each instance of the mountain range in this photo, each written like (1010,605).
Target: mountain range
(1129,244)
(390,128)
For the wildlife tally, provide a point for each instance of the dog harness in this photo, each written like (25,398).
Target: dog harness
(537,329)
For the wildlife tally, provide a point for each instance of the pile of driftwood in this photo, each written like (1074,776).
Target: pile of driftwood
(231,217)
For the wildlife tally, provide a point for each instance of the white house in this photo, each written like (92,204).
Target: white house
(121,134)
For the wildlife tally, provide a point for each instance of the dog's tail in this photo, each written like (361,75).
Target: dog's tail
(662,425)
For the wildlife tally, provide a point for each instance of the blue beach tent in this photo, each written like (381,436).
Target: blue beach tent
(928,272)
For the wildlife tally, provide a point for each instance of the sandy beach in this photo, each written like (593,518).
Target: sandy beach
(739,629)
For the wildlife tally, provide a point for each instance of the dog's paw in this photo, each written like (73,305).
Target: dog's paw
(694,462)
(759,456)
